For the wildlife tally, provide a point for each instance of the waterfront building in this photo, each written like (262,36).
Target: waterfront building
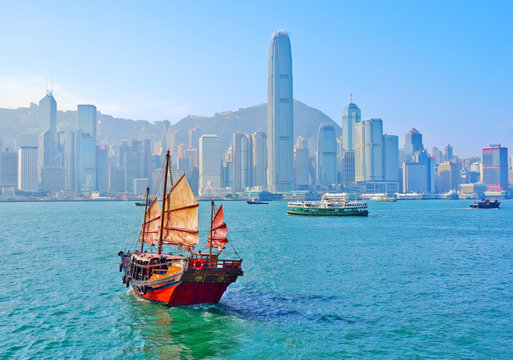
(67,147)
(448,177)
(259,158)
(412,143)
(209,164)
(347,168)
(241,158)
(369,150)
(495,168)
(391,157)
(415,177)
(131,159)
(139,186)
(326,164)
(102,169)
(27,168)
(86,148)
(53,179)
(116,180)
(350,117)
(280,108)
(8,169)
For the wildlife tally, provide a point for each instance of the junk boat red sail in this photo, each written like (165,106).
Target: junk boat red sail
(175,280)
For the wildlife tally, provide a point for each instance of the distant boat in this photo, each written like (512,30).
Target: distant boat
(140,204)
(329,205)
(485,204)
(256,202)
(387,199)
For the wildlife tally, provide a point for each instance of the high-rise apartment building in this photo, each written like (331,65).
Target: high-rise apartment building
(350,117)
(280,108)
(209,164)
(495,168)
(8,169)
(27,168)
(326,164)
(86,147)
(102,169)
(302,163)
(241,158)
(369,150)
(412,143)
(68,149)
(391,157)
(449,152)
(259,158)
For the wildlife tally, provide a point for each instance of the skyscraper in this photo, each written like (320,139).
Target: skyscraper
(302,163)
(369,150)
(326,155)
(391,157)
(241,157)
(412,143)
(259,158)
(47,133)
(209,164)
(495,168)
(86,147)
(351,116)
(280,115)
(27,168)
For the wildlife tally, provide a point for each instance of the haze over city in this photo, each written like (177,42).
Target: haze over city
(443,68)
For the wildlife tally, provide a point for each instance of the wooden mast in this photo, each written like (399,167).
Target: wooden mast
(144,221)
(211,221)
(163,203)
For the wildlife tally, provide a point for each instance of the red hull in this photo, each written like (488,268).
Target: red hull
(195,287)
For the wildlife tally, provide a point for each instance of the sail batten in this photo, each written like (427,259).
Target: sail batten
(219,234)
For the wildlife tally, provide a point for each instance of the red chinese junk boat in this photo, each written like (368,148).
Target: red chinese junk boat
(175,280)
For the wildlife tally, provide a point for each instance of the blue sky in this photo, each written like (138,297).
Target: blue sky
(443,67)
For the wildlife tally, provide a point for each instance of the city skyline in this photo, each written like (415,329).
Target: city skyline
(396,75)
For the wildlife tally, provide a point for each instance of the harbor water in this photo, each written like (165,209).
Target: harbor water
(414,279)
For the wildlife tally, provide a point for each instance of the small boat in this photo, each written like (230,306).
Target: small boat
(387,199)
(485,204)
(256,202)
(140,204)
(175,279)
(328,206)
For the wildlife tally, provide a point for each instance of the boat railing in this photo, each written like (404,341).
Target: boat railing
(211,261)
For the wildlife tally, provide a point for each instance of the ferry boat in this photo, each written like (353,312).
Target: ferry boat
(329,205)
(485,204)
(179,279)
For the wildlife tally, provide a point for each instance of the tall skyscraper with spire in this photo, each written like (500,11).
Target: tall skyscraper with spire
(280,115)
(47,133)
(350,117)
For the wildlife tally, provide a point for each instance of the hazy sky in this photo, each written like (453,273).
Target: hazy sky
(443,67)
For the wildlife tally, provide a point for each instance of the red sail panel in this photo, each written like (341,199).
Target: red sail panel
(151,226)
(219,231)
(181,216)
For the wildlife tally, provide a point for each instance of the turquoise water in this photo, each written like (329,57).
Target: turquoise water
(416,279)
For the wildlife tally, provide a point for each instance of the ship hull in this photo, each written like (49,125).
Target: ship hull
(195,287)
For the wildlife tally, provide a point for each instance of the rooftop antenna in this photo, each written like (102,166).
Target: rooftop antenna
(351,97)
